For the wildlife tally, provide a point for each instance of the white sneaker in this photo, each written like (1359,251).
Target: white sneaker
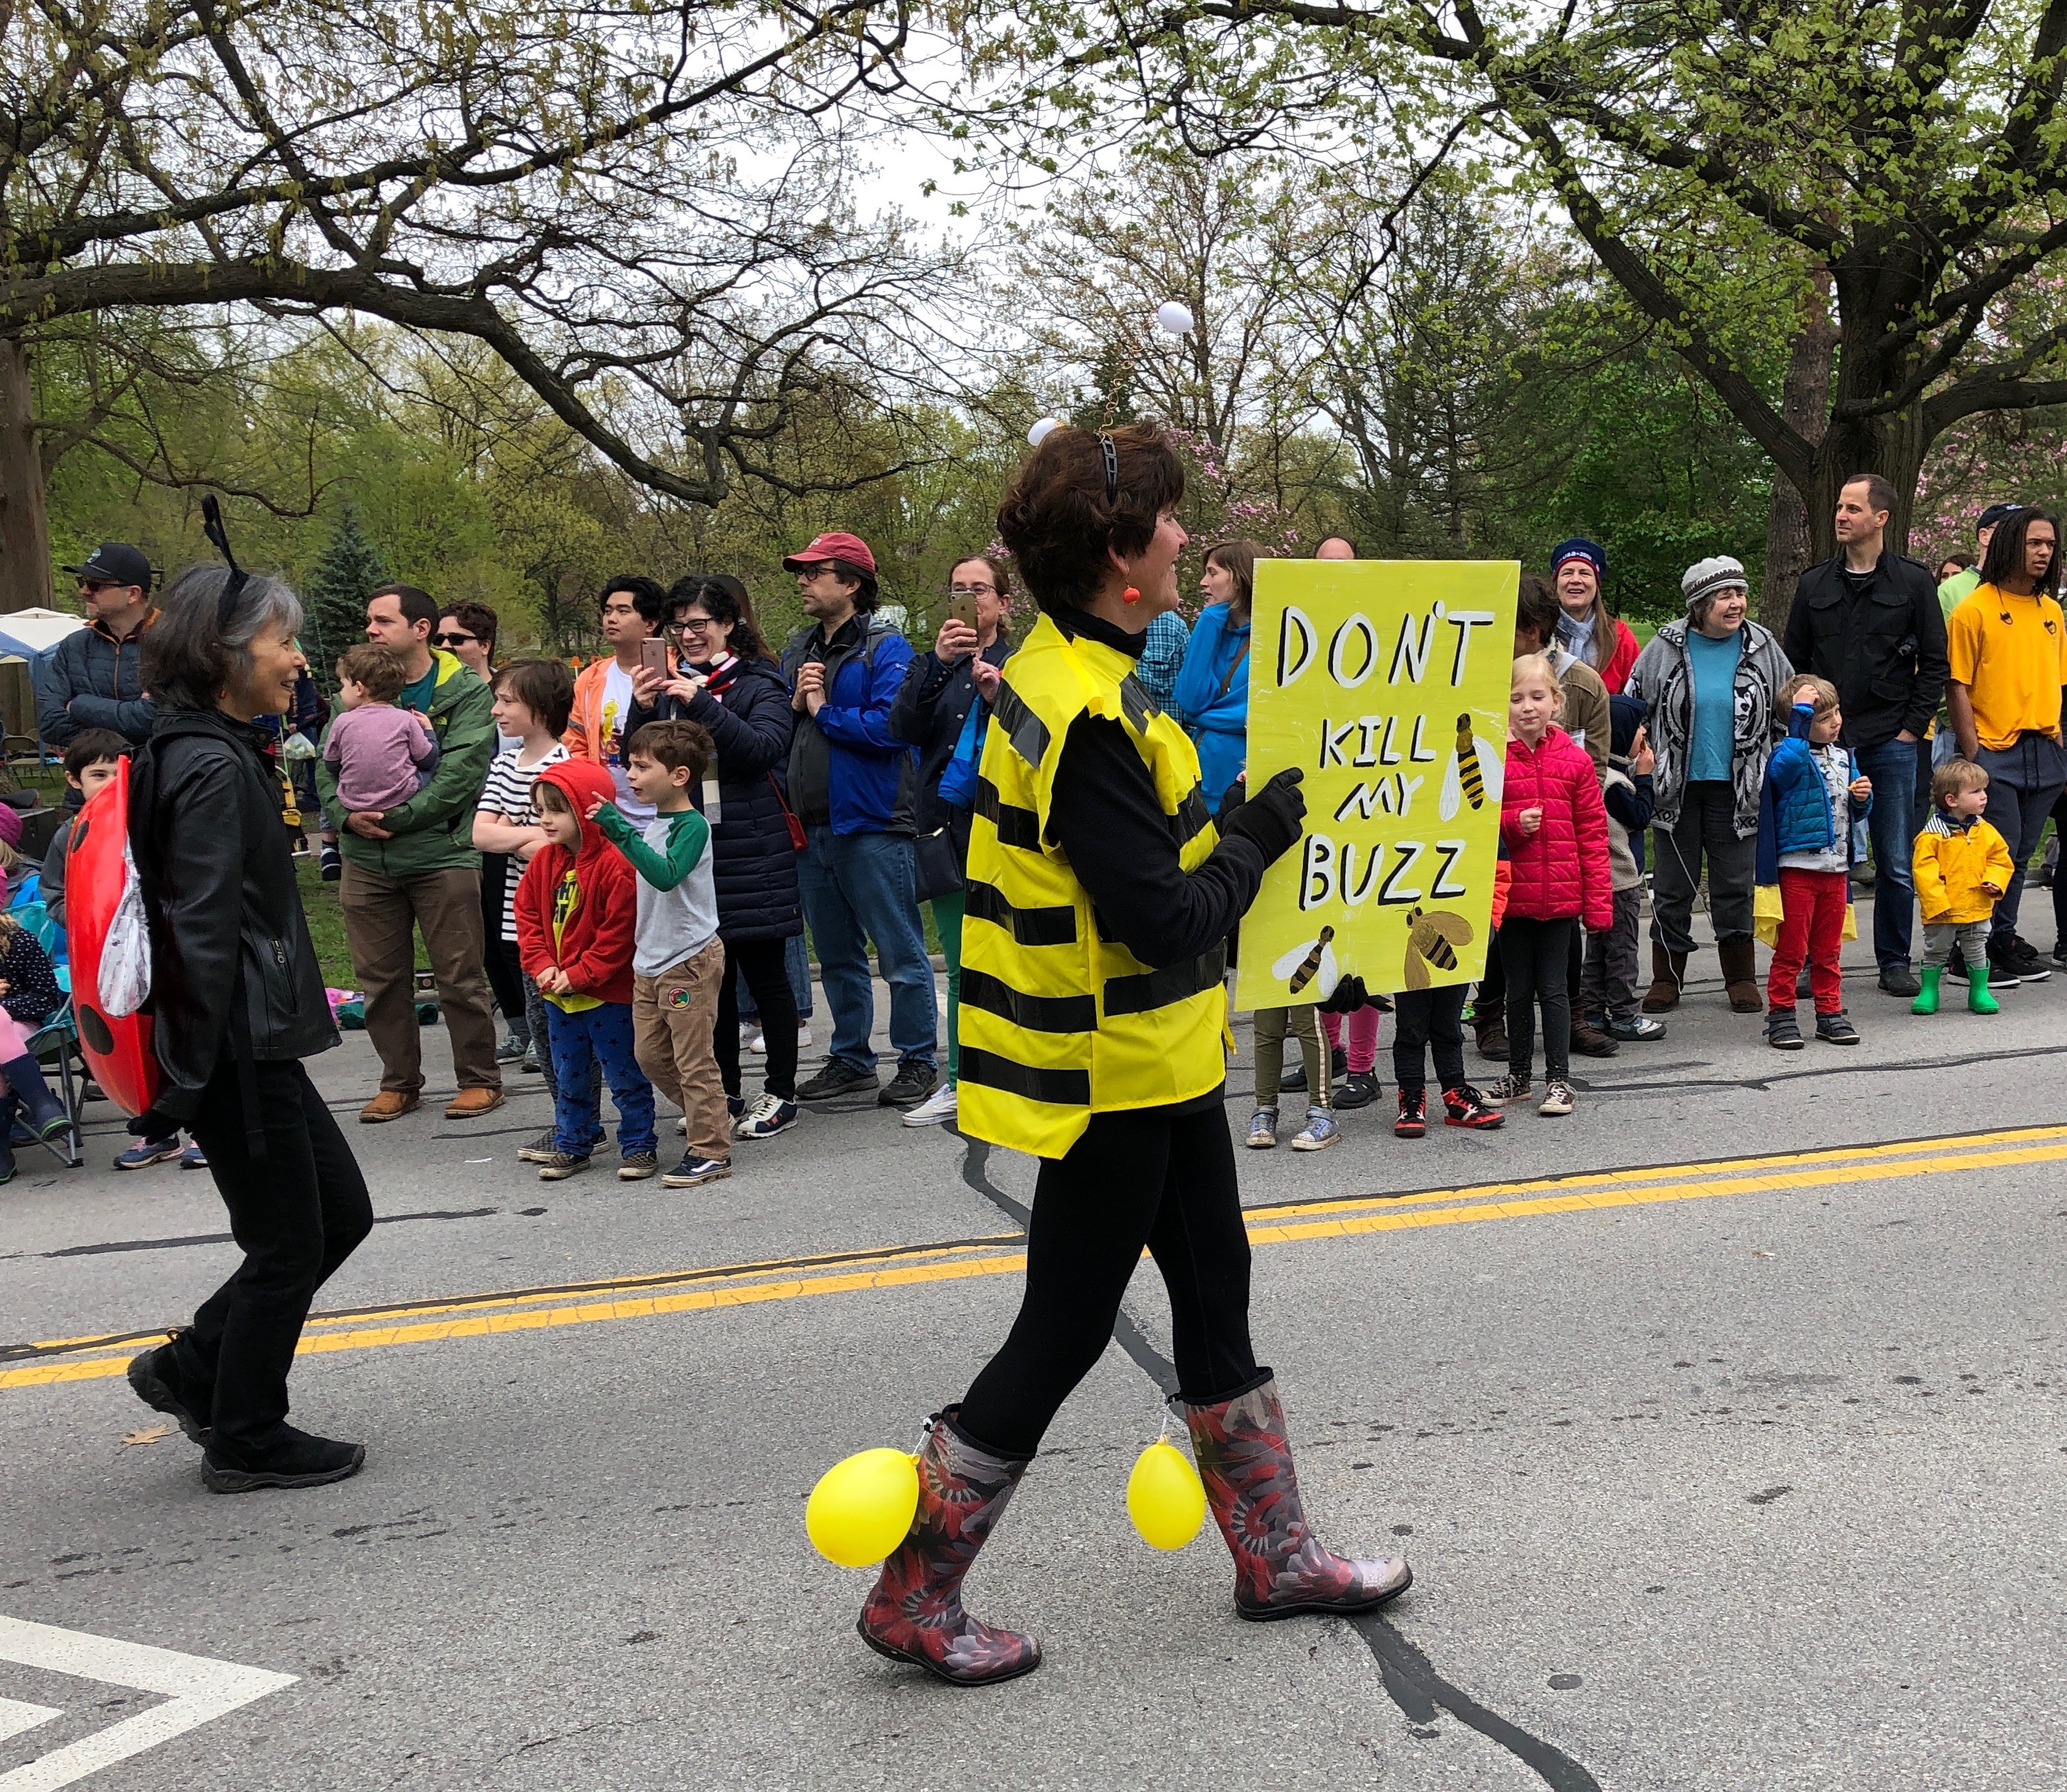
(938,1107)
(756,1040)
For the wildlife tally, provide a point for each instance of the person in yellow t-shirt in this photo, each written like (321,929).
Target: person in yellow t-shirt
(2007,642)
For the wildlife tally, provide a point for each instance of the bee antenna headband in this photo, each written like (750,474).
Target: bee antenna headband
(233,588)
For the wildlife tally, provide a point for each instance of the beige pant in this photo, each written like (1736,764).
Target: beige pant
(1271,1025)
(382,916)
(673,1018)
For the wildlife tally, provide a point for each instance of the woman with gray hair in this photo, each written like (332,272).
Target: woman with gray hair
(1711,686)
(237,1002)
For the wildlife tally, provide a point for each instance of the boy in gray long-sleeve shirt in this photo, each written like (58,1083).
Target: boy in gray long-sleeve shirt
(678,962)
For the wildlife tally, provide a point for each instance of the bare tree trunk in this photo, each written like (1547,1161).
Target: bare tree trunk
(1791,533)
(25,529)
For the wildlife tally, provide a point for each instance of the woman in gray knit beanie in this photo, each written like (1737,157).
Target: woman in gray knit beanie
(1711,683)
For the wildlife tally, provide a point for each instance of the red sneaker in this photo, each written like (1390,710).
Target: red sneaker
(1464,1106)
(1413,1121)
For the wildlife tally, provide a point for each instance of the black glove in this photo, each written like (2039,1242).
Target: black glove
(1273,818)
(152,1125)
(1348,995)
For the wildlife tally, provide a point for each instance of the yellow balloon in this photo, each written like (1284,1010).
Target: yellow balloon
(1165,1497)
(862,1508)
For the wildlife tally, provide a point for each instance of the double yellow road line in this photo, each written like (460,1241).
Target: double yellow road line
(698,1290)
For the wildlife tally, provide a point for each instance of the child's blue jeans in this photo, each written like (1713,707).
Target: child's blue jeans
(578,1041)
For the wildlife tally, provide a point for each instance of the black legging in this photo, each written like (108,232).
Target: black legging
(296,1215)
(1151,1176)
(761,963)
(1535,955)
(499,959)
(1423,1019)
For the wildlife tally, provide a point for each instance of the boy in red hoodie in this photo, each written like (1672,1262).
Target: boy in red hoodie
(577,905)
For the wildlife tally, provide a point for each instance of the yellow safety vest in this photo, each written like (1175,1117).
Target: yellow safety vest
(1059,1023)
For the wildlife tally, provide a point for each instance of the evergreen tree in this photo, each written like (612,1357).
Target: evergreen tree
(344,576)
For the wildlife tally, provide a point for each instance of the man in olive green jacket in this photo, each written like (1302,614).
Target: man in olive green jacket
(415,866)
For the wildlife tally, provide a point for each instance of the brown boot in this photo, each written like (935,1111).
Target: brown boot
(1668,978)
(1740,966)
(390,1104)
(470,1104)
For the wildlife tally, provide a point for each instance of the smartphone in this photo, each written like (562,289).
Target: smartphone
(653,655)
(962,610)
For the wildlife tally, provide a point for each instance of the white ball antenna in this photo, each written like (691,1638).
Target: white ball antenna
(1039,433)
(1173,318)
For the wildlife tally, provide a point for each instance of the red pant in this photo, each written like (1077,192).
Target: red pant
(1812,920)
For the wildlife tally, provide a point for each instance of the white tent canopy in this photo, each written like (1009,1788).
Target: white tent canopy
(32,631)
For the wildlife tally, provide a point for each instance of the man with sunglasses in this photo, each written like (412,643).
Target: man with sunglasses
(92,678)
(852,784)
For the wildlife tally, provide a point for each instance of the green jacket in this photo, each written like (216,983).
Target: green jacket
(434,829)
(1956,588)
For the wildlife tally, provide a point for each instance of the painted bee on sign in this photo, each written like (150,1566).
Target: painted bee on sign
(1433,936)
(1313,961)
(1473,773)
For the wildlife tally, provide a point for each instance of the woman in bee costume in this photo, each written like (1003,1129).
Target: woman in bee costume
(1093,1023)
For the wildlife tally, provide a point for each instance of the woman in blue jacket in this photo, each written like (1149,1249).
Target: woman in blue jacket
(1212,689)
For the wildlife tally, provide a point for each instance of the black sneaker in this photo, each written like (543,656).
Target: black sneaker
(1338,1067)
(299,1461)
(1955,968)
(2059,954)
(154,1377)
(1359,1089)
(1413,1120)
(1783,1031)
(1836,1029)
(331,863)
(1898,980)
(915,1079)
(692,1171)
(2019,956)
(838,1078)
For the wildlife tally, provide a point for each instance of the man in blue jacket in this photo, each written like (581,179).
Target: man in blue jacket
(851,785)
(91,678)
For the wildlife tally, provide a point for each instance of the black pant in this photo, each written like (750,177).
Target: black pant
(1150,1177)
(760,963)
(506,978)
(296,1215)
(1491,1003)
(1537,955)
(1425,1017)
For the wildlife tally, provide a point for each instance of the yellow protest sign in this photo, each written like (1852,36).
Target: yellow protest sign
(1385,681)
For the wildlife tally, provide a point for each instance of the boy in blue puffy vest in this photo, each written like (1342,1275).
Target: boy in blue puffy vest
(1813,794)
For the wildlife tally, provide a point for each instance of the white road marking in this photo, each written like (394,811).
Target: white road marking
(195,1689)
(15,1716)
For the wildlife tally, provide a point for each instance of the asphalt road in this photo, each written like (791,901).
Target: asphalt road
(1722,1423)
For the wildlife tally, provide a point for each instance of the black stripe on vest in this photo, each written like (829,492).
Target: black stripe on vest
(1016,827)
(1152,989)
(1034,1013)
(1030,927)
(1026,731)
(1135,703)
(1058,1088)
(1191,818)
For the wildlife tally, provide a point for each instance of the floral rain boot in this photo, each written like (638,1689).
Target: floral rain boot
(1280,1567)
(915,1612)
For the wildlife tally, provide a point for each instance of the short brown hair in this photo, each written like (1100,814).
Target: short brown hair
(544,687)
(1822,693)
(675,745)
(477,618)
(377,670)
(1056,519)
(1880,492)
(1535,609)
(1955,776)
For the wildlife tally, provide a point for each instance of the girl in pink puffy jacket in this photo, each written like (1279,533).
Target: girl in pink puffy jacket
(1555,830)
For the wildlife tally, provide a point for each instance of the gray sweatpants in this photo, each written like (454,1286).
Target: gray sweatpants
(1939,937)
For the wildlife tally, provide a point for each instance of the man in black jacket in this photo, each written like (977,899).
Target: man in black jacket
(91,678)
(1868,620)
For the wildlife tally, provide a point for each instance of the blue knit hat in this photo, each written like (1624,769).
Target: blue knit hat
(1579,548)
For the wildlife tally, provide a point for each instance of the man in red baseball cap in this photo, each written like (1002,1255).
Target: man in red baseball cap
(852,784)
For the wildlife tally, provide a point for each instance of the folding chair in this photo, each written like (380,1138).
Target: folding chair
(58,1038)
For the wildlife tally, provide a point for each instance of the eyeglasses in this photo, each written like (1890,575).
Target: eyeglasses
(972,590)
(827,571)
(690,625)
(453,640)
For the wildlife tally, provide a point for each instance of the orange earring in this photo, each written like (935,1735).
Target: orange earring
(1130,595)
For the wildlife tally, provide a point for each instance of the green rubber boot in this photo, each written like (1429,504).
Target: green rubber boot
(1979,1001)
(1927,997)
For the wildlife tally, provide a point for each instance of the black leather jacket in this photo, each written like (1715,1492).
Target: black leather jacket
(218,881)
(1884,650)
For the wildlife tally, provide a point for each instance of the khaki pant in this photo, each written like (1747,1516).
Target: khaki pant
(382,915)
(1271,1026)
(672,1017)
